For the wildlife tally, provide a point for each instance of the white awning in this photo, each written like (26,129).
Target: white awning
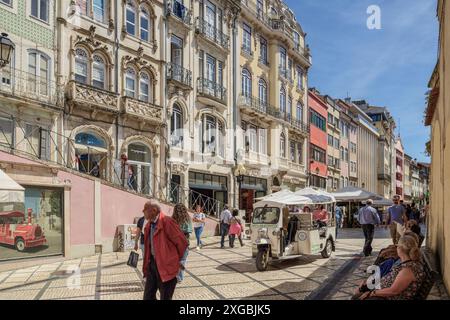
(81,148)
(10,191)
(355,194)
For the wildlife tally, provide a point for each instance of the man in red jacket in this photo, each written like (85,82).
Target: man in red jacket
(165,245)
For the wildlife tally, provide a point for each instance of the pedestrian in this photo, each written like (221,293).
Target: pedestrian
(415,213)
(181,216)
(236,228)
(199,223)
(139,243)
(225,218)
(396,215)
(368,218)
(165,246)
(338,215)
(408,211)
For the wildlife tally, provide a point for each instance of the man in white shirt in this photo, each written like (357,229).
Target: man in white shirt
(225,218)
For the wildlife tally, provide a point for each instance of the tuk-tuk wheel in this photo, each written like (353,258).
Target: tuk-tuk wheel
(262,260)
(20,245)
(326,252)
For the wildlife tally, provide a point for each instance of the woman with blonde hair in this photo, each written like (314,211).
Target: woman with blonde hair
(404,280)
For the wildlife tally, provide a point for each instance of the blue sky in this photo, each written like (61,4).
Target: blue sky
(387,67)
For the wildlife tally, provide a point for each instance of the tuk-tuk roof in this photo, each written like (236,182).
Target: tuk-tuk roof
(316,195)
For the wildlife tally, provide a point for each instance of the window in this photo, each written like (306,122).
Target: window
(300,78)
(6,132)
(296,40)
(212,133)
(330,140)
(7,2)
(98,72)
(318,154)
(299,113)
(38,73)
(317,120)
(130,83)
(247,38)
(283,101)
(330,119)
(300,153)
(330,161)
(144,87)
(259,8)
(144,25)
(262,140)
(282,146)
(292,151)
(81,66)
(263,51)
(98,8)
(176,126)
(346,155)
(262,92)
(40,10)
(289,108)
(246,83)
(342,182)
(130,18)
(252,138)
(342,154)
(176,50)
(336,143)
(283,58)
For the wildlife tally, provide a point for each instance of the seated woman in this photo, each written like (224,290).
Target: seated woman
(321,215)
(403,281)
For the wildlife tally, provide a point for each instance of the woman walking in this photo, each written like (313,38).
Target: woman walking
(236,228)
(181,216)
(199,223)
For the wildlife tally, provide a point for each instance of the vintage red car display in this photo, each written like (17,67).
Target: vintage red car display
(17,232)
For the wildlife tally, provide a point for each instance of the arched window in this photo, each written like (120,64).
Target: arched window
(299,113)
(246,83)
(144,24)
(91,153)
(130,17)
(98,72)
(130,83)
(81,66)
(283,101)
(144,87)
(139,152)
(282,146)
(176,126)
(262,92)
(342,154)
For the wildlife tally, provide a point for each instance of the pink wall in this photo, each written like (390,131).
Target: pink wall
(82,227)
(12,158)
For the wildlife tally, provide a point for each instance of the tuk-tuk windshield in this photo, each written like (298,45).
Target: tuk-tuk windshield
(266,215)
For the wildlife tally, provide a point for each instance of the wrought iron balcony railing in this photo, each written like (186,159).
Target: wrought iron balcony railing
(212,33)
(178,73)
(211,89)
(300,125)
(20,84)
(258,105)
(178,10)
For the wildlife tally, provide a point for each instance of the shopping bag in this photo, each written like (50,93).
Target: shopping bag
(133,259)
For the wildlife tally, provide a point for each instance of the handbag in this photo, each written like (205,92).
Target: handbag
(133,259)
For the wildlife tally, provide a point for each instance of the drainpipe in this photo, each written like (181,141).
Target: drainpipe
(165,131)
(234,66)
(116,69)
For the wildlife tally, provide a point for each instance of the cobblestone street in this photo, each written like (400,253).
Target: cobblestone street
(212,273)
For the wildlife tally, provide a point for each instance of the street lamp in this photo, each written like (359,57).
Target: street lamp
(239,173)
(6,47)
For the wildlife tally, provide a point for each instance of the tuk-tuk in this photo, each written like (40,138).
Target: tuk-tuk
(283,226)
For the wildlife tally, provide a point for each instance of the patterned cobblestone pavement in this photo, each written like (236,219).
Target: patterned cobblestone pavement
(211,273)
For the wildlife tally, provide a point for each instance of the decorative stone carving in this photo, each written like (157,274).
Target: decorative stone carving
(91,96)
(143,110)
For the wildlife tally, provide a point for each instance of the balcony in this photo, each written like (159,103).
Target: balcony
(285,73)
(179,74)
(142,110)
(212,34)
(18,84)
(256,107)
(299,126)
(294,166)
(384,176)
(179,12)
(282,26)
(212,90)
(91,97)
(257,13)
(263,61)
